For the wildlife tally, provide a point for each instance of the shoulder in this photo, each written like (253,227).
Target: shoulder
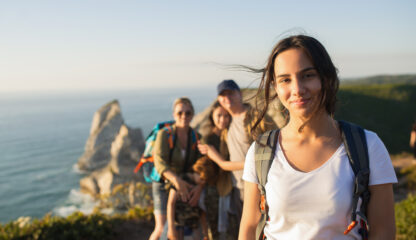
(249,173)
(164,132)
(373,140)
(381,168)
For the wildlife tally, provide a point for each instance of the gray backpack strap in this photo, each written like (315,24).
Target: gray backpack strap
(355,144)
(265,148)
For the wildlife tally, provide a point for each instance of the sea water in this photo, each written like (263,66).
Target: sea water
(42,135)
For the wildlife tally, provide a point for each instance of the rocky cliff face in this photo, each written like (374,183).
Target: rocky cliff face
(111,154)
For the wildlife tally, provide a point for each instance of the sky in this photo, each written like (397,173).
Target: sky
(85,45)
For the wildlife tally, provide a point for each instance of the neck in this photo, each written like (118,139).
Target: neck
(320,124)
(238,110)
(182,129)
(216,131)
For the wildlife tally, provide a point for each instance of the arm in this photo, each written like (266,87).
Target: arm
(172,233)
(180,185)
(412,138)
(195,194)
(251,211)
(215,156)
(381,212)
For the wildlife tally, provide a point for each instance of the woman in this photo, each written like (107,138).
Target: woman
(310,182)
(216,195)
(173,164)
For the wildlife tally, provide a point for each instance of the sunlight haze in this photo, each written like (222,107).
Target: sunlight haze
(102,45)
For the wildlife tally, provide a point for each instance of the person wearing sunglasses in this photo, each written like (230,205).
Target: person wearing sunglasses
(174,163)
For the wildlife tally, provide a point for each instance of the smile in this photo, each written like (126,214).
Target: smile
(299,102)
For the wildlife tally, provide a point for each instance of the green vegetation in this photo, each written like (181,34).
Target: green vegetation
(406,218)
(76,226)
(382,79)
(387,109)
(410,173)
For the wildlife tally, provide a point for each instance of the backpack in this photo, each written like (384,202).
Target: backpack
(147,162)
(355,143)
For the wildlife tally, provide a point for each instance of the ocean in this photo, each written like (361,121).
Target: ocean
(42,135)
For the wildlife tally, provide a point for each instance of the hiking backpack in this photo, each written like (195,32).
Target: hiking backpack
(147,161)
(355,144)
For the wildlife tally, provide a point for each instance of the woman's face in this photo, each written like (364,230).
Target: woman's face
(221,118)
(297,83)
(182,113)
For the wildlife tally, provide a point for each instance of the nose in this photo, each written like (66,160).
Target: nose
(297,86)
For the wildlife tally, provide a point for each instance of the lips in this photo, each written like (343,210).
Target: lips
(300,102)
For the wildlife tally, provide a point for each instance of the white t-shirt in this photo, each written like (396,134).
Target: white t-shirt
(316,204)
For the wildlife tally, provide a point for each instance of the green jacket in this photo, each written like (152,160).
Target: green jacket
(177,162)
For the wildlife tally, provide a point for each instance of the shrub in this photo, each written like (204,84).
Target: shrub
(406,218)
(76,226)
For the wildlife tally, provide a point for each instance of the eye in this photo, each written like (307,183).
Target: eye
(284,80)
(310,75)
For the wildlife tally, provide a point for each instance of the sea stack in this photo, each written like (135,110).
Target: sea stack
(111,152)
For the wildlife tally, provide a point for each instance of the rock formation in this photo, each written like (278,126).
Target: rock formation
(106,124)
(111,153)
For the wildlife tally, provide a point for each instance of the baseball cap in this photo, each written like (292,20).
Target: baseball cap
(228,84)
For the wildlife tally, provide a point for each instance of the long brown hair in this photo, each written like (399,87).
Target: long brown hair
(322,63)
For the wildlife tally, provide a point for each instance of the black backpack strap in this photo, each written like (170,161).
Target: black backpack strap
(265,148)
(355,144)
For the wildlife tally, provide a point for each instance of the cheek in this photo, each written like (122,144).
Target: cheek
(226,120)
(279,91)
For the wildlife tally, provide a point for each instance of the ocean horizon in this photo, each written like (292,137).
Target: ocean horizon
(43,134)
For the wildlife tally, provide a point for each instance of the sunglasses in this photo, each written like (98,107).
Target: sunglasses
(186,113)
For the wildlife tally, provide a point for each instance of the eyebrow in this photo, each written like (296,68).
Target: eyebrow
(301,71)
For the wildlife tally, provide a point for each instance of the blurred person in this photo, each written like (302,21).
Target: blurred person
(413,139)
(238,138)
(173,164)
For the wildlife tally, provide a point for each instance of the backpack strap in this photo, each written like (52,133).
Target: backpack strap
(265,148)
(171,140)
(195,139)
(355,144)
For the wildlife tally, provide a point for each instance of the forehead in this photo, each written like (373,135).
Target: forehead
(228,92)
(292,61)
(182,106)
(220,109)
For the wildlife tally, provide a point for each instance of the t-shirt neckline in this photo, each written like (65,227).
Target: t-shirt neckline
(288,166)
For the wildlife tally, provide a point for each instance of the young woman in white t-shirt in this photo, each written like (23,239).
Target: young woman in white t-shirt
(310,183)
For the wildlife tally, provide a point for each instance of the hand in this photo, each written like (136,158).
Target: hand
(182,189)
(195,195)
(208,150)
(203,148)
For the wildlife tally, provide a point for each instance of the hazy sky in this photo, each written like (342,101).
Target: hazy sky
(85,44)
